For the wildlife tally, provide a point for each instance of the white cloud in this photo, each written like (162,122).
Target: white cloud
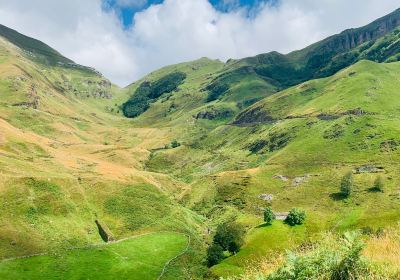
(180,30)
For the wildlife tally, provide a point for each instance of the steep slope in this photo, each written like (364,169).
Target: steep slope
(321,59)
(217,91)
(295,147)
(67,158)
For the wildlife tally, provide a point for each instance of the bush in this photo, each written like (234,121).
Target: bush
(215,254)
(378,184)
(334,259)
(295,217)
(175,144)
(229,236)
(346,184)
(269,216)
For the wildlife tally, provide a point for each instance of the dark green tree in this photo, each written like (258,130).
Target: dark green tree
(215,254)
(269,216)
(346,185)
(295,217)
(229,236)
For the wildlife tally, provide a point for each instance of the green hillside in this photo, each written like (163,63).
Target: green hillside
(140,258)
(193,147)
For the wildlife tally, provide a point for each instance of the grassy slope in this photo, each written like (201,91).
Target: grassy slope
(139,258)
(311,147)
(66,157)
(77,140)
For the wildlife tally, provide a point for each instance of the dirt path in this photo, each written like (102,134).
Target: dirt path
(174,258)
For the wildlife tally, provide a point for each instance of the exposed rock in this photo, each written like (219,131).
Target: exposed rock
(104,232)
(212,113)
(369,169)
(253,116)
(281,177)
(298,181)
(281,216)
(266,197)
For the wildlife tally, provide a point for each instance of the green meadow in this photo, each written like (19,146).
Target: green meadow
(142,257)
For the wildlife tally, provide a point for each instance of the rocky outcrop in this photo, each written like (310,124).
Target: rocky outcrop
(104,231)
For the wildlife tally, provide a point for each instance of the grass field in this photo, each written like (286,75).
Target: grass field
(139,258)
(69,157)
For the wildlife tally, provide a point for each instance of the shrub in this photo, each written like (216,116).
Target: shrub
(346,184)
(215,254)
(175,144)
(269,216)
(229,236)
(378,184)
(295,217)
(334,259)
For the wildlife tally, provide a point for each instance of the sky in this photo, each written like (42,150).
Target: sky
(126,39)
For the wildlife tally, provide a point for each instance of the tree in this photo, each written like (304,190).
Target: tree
(215,254)
(269,216)
(295,217)
(175,144)
(346,184)
(378,184)
(229,236)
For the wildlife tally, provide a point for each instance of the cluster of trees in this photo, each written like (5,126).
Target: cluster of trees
(228,238)
(347,184)
(148,92)
(295,216)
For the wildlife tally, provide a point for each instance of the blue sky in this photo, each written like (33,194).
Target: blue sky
(126,9)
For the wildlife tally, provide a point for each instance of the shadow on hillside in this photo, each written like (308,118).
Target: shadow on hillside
(337,196)
(374,190)
(264,225)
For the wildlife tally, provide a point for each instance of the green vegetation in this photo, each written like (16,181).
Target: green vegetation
(346,185)
(228,237)
(149,92)
(138,206)
(378,184)
(142,257)
(215,254)
(68,157)
(269,216)
(295,217)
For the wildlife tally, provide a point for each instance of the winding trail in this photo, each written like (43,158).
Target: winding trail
(174,258)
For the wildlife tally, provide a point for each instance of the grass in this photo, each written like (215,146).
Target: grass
(75,158)
(140,258)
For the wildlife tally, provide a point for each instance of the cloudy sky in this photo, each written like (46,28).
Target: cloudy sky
(125,39)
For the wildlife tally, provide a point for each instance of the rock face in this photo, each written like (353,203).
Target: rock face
(104,232)
(212,113)
(369,169)
(266,197)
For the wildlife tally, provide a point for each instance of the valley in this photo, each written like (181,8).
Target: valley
(192,146)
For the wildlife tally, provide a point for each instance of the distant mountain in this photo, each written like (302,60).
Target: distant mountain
(237,84)
(321,59)
(39,51)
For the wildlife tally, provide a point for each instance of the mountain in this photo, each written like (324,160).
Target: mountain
(70,165)
(321,59)
(239,83)
(161,164)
